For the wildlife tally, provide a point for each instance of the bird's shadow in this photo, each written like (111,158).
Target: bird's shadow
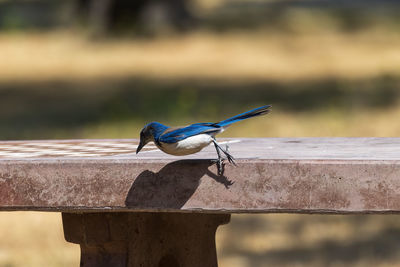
(172,186)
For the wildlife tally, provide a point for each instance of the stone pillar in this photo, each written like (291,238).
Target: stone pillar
(133,239)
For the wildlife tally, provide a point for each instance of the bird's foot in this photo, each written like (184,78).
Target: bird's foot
(220,166)
(229,157)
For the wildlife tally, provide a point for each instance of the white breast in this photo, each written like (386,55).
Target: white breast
(187,146)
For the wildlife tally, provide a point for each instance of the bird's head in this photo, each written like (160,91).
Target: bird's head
(149,133)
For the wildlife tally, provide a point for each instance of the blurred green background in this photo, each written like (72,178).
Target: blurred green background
(102,69)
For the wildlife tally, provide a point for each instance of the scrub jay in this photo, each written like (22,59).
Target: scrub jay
(193,138)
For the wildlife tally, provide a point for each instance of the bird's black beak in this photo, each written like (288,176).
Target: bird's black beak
(140,146)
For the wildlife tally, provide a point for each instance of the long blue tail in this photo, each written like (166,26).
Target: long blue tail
(248,114)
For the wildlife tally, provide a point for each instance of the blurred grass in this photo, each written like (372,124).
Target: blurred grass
(346,83)
(34,239)
(332,72)
(250,56)
(119,108)
(310,240)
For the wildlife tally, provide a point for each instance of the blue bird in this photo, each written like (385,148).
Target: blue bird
(193,138)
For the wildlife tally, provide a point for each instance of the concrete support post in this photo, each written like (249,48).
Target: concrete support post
(133,239)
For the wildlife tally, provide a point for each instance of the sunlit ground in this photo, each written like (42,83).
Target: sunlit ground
(34,239)
(254,56)
(62,85)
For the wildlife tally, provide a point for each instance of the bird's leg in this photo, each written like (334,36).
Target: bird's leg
(231,159)
(220,161)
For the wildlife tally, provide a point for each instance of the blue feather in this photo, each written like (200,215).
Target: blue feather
(248,114)
(179,134)
(185,132)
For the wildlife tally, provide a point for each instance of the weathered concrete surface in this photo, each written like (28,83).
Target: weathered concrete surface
(273,175)
(128,239)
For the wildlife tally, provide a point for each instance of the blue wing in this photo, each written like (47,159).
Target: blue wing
(176,135)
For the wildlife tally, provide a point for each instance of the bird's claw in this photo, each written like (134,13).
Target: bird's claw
(231,159)
(220,166)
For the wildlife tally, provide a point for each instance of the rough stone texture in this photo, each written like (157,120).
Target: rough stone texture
(338,175)
(144,239)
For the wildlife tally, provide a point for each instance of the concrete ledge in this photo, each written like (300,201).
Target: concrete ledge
(306,175)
